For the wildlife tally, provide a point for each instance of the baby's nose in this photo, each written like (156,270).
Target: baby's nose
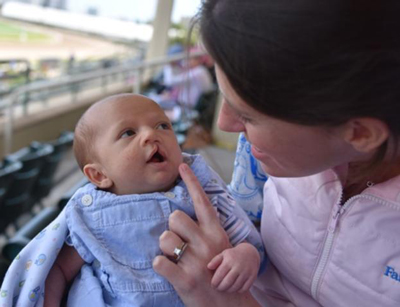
(148,136)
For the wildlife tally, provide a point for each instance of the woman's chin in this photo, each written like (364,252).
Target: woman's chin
(271,171)
(275,171)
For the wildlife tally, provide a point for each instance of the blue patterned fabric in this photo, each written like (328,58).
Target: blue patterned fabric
(248,181)
(23,285)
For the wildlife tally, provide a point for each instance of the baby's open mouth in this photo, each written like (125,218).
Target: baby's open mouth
(157,157)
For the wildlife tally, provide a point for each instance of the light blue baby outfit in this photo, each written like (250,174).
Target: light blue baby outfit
(118,237)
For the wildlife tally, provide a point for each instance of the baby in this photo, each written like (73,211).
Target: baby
(126,147)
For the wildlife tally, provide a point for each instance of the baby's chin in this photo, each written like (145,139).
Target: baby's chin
(140,191)
(170,185)
(165,187)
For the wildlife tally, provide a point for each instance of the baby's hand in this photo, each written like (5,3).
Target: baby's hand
(236,268)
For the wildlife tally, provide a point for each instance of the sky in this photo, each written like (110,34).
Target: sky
(142,10)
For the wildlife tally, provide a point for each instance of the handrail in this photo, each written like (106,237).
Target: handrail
(11,100)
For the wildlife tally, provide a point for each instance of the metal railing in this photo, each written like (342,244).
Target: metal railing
(72,83)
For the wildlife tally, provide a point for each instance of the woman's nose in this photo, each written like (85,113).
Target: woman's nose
(229,121)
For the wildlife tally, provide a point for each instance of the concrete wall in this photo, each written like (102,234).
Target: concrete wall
(47,125)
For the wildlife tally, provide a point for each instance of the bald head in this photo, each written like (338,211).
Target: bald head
(89,125)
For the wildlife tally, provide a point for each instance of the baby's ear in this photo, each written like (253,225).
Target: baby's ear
(96,176)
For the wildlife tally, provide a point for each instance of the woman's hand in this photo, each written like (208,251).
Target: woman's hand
(190,276)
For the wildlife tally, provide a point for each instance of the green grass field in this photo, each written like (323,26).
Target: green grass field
(14,34)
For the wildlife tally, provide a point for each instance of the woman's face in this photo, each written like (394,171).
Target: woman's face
(284,149)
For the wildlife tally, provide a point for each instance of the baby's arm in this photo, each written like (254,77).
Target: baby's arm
(64,270)
(235,268)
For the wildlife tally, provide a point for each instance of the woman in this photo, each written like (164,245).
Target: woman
(314,86)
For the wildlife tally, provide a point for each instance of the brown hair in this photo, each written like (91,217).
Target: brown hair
(310,62)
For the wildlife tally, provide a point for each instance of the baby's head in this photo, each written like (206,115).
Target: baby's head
(125,144)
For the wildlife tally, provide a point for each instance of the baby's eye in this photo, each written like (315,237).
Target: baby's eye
(127,133)
(164,126)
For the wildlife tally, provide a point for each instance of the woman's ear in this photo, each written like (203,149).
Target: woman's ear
(96,176)
(366,134)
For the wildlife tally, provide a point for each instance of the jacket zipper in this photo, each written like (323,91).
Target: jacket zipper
(325,251)
(322,262)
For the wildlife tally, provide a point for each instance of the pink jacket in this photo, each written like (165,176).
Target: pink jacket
(325,254)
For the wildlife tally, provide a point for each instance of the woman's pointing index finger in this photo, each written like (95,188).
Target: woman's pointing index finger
(204,211)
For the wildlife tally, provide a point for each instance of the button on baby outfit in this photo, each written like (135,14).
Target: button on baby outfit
(87,200)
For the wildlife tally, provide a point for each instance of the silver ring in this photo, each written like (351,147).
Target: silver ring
(178,251)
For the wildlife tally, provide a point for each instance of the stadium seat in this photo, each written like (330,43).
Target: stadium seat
(4,264)
(7,171)
(16,199)
(44,183)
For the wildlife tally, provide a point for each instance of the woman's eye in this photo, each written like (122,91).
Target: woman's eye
(164,126)
(244,119)
(127,133)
